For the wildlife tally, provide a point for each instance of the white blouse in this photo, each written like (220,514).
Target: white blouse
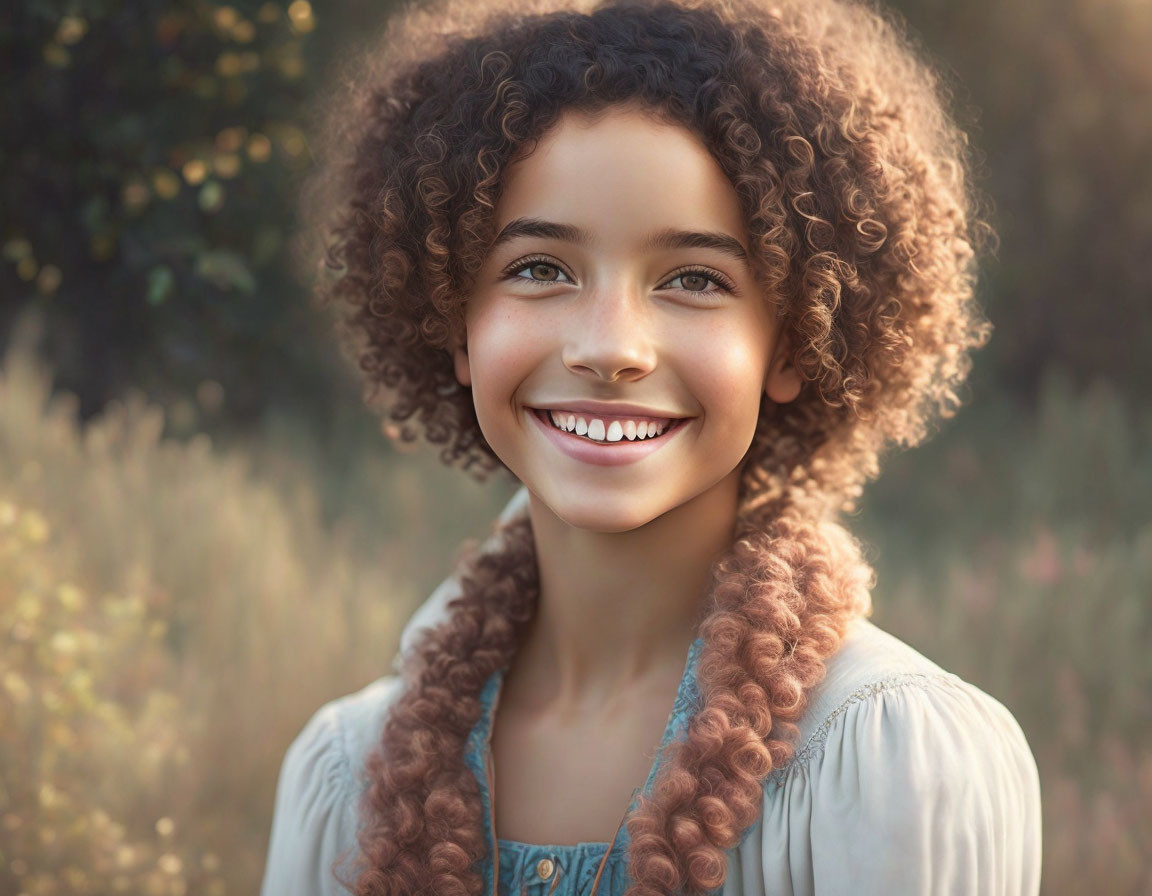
(906,780)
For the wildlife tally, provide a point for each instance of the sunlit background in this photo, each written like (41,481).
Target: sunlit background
(204,536)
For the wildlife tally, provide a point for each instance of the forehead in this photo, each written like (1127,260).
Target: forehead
(618,172)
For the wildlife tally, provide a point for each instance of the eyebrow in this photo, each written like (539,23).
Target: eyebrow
(662,239)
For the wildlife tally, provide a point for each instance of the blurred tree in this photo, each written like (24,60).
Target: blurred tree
(151,156)
(1063,95)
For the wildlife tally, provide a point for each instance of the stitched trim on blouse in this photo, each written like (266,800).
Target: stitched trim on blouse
(819,738)
(343,752)
(356,781)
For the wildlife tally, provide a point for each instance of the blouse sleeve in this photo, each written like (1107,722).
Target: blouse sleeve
(921,785)
(314,815)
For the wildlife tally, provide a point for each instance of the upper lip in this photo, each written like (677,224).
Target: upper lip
(607,409)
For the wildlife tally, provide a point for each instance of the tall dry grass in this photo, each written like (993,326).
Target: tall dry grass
(169,621)
(91,734)
(1017,552)
(171,612)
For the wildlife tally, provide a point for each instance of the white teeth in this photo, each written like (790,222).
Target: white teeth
(615,431)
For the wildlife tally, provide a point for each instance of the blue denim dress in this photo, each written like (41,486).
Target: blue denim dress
(542,870)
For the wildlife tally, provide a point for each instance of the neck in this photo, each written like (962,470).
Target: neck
(619,610)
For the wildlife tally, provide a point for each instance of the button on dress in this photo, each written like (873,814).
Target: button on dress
(565,870)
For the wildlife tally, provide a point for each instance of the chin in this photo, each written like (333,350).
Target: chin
(605,517)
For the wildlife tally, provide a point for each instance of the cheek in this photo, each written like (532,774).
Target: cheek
(502,352)
(729,380)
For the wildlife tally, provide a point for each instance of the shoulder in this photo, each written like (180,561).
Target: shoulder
(906,778)
(336,740)
(874,669)
(317,795)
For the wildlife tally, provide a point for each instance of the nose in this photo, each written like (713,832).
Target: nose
(609,335)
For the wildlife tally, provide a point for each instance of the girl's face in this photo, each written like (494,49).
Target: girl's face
(618,300)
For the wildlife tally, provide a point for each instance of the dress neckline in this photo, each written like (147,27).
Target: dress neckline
(684,705)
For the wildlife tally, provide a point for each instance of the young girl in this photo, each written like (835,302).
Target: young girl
(684,269)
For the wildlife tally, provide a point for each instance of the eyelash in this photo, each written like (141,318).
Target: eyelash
(713,276)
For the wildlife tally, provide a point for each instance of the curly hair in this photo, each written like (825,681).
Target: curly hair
(856,190)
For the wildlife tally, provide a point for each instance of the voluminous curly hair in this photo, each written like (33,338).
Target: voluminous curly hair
(855,187)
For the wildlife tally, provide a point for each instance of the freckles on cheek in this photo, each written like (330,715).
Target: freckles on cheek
(503,353)
(501,331)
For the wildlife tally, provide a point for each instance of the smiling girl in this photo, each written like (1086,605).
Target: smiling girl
(684,270)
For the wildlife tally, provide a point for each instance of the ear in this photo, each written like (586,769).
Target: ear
(783,382)
(460,362)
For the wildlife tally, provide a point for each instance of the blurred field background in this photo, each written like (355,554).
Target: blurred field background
(204,535)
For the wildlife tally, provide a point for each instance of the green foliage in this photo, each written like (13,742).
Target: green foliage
(151,159)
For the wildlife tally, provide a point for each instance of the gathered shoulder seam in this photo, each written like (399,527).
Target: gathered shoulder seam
(342,748)
(817,741)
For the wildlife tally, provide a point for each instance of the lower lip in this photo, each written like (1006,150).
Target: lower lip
(605,454)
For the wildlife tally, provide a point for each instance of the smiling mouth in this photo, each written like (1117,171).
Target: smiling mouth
(605,430)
